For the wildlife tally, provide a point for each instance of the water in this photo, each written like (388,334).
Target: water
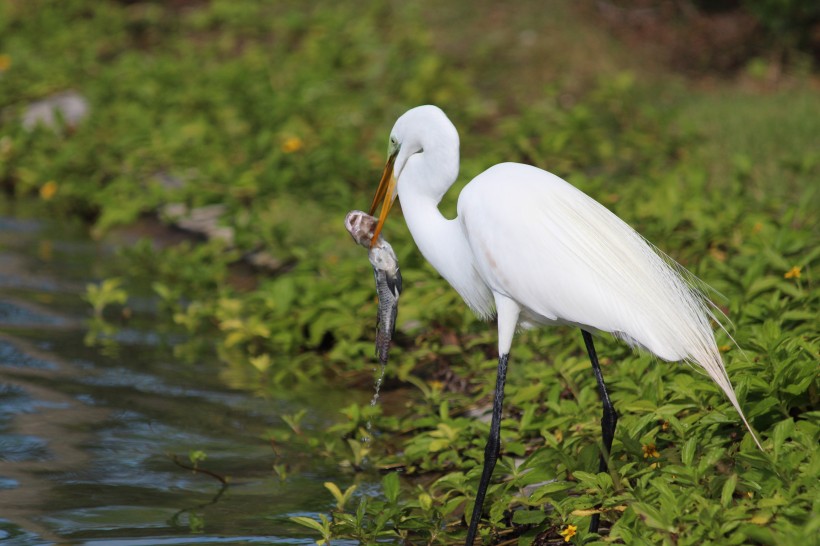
(378,386)
(374,401)
(86,434)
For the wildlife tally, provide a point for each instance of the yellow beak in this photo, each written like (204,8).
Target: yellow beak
(386,193)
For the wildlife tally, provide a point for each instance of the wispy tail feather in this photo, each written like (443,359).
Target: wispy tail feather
(713,364)
(682,314)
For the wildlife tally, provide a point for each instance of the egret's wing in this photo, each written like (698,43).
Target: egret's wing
(565,258)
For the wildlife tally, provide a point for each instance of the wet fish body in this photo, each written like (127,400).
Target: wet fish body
(386,273)
(388,288)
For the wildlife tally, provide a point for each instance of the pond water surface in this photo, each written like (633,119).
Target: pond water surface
(86,435)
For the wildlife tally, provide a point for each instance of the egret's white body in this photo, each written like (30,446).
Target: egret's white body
(563,258)
(533,249)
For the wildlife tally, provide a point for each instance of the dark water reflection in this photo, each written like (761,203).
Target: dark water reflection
(85,437)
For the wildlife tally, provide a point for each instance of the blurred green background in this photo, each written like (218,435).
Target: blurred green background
(696,122)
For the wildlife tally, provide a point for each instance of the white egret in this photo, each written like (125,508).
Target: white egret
(534,250)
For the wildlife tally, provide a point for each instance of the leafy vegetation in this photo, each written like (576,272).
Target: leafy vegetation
(280,111)
(788,23)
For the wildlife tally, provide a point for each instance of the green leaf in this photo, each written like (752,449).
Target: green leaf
(687,452)
(196,456)
(782,430)
(341,498)
(308,522)
(587,479)
(425,501)
(335,491)
(652,517)
(390,484)
(528,517)
(728,490)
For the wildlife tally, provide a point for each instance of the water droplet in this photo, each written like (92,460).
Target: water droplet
(373,402)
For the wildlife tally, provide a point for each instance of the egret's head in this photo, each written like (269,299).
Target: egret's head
(420,129)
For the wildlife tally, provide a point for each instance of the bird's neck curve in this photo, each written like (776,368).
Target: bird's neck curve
(422,183)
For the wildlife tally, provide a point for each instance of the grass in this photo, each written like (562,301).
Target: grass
(764,133)
(281,112)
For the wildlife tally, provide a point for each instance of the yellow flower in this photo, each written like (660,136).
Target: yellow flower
(48,190)
(793,273)
(5,62)
(649,450)
(292,144)
(724,348)
(568,532)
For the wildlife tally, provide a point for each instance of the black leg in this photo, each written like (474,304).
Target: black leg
(608,421)
(492,449)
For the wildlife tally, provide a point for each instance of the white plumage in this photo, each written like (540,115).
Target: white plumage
(536,250)
(566,259)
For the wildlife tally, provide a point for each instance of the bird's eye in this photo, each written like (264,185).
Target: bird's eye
(393,140)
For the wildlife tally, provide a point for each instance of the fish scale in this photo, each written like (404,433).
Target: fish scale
(386,273)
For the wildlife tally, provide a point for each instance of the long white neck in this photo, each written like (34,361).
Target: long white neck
(421,185)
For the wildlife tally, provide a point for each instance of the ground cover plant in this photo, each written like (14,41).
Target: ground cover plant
(281,112)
